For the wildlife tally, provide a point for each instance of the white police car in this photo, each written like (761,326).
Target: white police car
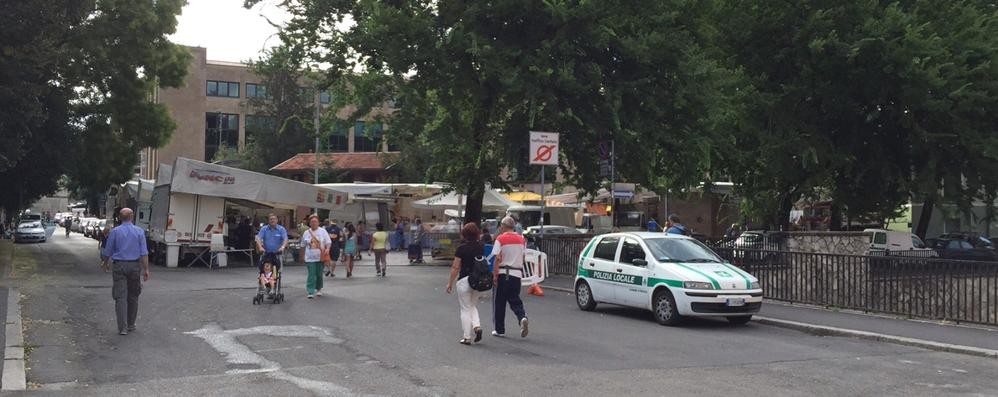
(671,275)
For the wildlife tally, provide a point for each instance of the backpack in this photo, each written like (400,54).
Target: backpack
(480,278)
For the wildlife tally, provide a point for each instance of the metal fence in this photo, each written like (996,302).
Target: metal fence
(563,251)
(965,291)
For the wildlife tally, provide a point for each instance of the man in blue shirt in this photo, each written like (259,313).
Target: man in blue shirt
(271,241)
(126,247)
(674,227)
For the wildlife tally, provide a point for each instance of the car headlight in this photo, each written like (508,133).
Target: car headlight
(755,285)
(697,285)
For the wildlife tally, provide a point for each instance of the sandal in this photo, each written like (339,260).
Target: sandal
(464,341)
(478,334)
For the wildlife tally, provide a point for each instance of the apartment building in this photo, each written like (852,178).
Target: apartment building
(212,109)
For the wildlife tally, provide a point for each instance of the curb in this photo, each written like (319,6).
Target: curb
(13,377)
(821,330)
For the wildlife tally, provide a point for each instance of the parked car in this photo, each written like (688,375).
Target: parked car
(533,232)
(31,231)
(672,276)
(960,249)
(96,228)
(755,245)
(975,239)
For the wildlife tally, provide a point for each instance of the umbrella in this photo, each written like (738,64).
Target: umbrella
(493,201)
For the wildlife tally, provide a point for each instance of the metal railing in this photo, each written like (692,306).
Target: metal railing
(964,291)
(563,251)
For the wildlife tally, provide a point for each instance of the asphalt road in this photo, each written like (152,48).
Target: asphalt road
(199,335)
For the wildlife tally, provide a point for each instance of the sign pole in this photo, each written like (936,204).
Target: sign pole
(613,177)
(543,201)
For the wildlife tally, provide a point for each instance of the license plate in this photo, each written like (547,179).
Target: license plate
(736,302)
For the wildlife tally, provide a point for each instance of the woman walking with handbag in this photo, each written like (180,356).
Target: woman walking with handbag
(315,244)
(467,297)
(349,248)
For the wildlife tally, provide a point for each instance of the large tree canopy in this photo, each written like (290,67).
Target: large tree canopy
(472,78)
(870,104)
(75,83)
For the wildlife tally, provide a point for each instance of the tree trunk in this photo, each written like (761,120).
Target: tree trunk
(835,220)
(923,219)
(782,221)
(473,202)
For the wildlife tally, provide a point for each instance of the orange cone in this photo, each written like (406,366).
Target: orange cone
(535,289)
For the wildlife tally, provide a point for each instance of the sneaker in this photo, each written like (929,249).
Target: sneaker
(131,328)
(349,274)
(122,333)
(498,335)
(318,293)
(478,334)
(464,341)
(523,328)
(310,296)
(327,273)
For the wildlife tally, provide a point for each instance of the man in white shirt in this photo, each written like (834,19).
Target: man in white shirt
(508,249)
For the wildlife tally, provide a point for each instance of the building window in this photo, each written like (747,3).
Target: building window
(339,140)
(325,97)
(256,91)
(221,129)
(223,88)
(259,124)
(367,141)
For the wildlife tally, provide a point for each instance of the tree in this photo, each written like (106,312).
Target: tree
(287,110)
(473,78)
(869,103)
(101,59)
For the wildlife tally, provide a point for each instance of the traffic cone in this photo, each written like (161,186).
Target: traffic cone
(535,289)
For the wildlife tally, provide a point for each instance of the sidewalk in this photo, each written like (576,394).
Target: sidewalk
(816,320)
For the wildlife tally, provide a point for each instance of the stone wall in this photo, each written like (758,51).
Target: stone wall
(846,243)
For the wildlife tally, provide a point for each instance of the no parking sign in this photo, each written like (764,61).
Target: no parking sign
(543,148)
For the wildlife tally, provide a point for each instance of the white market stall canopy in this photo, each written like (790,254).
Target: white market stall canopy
(493,201)
(198,177)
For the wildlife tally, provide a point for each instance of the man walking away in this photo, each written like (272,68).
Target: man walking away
(126,247)
(334,250)
(675,227)
(507,272)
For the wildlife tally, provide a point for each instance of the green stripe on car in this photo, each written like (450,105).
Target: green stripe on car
(672,283)
(712,280)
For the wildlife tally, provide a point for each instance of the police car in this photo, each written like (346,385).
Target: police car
(671,275)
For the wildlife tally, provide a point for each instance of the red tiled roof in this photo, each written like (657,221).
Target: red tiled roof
(339,161)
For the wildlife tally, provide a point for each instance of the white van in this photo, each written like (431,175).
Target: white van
(671,275)
(885,241)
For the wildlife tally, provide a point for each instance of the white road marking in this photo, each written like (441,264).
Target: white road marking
(224,341)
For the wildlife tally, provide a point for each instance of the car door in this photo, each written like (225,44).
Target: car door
(632,270)
(599,269)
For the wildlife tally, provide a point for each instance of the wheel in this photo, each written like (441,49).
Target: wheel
(256,300)
(665,311)
(739,320)
(584,296)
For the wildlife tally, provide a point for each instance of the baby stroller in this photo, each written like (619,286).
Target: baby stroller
(274,295)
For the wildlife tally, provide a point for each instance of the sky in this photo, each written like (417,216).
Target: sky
(229,31)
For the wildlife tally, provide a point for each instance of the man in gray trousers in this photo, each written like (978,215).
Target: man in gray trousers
(126,247)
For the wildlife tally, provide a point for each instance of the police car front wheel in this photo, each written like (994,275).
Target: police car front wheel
(665,311)
(584,296)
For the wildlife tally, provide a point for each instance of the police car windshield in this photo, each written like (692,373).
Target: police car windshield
(681,250)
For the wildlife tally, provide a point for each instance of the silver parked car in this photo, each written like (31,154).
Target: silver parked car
(30,231)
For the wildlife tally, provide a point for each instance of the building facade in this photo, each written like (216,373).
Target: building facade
(212,109)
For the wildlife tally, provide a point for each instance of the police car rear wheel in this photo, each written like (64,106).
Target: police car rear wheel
(665,309)
(584,296)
